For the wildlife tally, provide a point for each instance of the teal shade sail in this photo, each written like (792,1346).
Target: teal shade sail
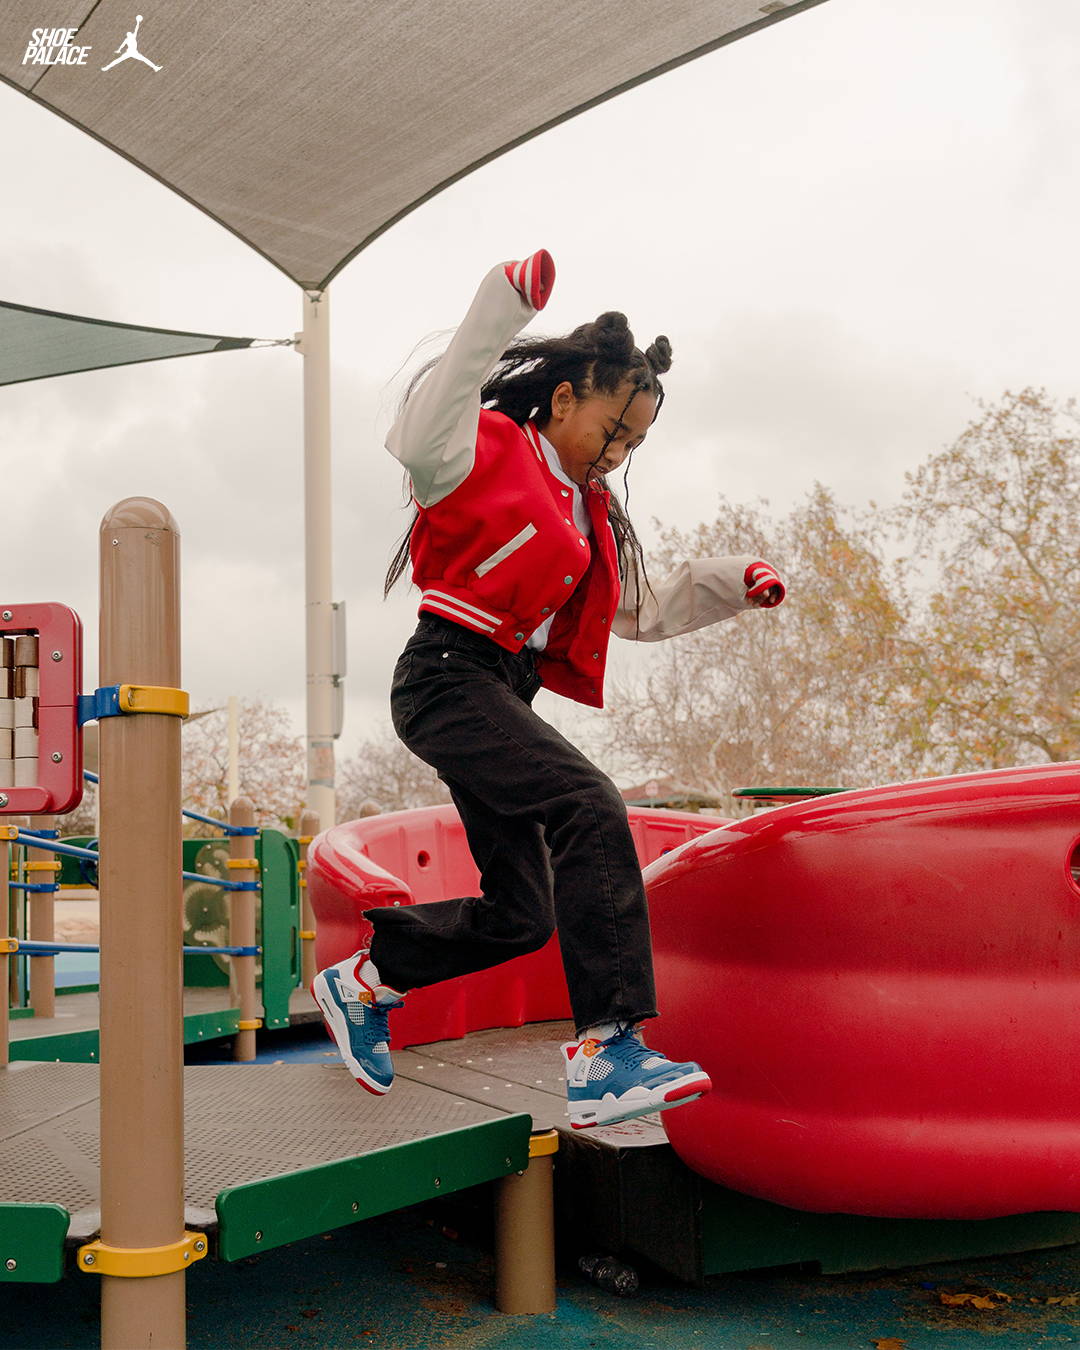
(38,343)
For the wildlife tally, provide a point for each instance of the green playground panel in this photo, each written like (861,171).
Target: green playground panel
(270,1213)
(74,871)
(769,793)
(82,1047)
(740,1232)
(206,911)
(277,920)
(32,1243)
(280,927)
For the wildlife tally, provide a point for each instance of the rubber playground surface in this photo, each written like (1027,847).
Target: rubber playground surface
(423,1279)
(408,1282)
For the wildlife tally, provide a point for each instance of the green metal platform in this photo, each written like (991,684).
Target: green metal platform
(274,1154)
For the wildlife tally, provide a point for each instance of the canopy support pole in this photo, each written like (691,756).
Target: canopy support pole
(318,557)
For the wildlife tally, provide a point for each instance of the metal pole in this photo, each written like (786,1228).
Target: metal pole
(142,1109)
(525,1232)
(14,910)
(242,929)
(309,828)
(233,788)
(5,863)
(43,922)
(318,555)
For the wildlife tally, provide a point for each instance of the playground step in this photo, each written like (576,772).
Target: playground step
(622,1188)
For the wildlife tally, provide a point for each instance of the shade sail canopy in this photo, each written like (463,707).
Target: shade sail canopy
(37,343)
(308,129)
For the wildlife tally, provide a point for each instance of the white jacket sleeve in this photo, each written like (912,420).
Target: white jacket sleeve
(699,592)
(435,435)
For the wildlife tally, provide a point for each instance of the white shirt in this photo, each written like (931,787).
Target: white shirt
(576,501)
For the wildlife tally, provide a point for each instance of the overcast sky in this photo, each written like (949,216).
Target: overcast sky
(852,226)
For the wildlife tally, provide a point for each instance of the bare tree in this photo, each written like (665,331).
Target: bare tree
(790,696)
(384,772)
(991,675)
(272,765)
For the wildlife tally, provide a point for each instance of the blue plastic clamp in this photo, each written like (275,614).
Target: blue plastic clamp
(101,703)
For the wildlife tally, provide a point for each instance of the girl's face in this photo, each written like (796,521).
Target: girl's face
(581,430)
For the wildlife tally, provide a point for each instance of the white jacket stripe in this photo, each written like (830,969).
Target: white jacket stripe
(461,604)
(458,614)
(511,546)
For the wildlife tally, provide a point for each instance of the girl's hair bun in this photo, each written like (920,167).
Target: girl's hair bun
(658,355)
(611,337)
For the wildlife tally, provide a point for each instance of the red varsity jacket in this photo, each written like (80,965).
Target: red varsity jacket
(501,553)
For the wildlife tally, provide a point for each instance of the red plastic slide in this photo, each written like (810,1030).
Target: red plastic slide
(884,987)
(411,856)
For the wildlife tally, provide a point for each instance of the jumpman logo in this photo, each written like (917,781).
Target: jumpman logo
(129,49)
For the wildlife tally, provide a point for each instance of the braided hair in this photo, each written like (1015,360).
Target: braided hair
(596,358)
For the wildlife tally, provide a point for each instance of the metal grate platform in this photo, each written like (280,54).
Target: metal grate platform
(251,1130)
(518,1069)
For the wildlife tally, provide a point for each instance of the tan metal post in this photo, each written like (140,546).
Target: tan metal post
(13,915)
(525,1233)
(42,867)
(309,828)
(16,907)
(5,960)
(142,1109)
(242,929)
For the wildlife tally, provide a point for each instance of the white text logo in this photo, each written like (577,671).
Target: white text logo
(54,47)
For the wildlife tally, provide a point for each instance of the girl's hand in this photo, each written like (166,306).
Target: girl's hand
(764,589)
(533,278)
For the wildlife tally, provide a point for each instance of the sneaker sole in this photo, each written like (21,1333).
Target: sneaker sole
(338,1031)
(611,1111)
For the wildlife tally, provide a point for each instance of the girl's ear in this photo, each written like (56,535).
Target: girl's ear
(562,399)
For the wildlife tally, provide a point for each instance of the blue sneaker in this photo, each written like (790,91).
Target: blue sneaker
(620,1078)
(357,1017)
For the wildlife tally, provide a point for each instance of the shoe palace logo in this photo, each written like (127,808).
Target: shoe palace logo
(56,47)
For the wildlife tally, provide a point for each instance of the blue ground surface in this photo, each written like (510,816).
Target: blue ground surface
(400,1283)
(407,1281)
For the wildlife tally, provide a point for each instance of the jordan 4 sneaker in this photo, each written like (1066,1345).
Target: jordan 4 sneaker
(620,1078)
(357,1017)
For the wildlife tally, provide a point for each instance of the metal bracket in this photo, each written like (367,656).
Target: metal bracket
(240,864)
(114,699)
(249,1024)
(307,935)
(540,1145)
(98,1258)
(8,945)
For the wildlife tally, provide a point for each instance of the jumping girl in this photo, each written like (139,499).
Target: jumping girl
(525,564)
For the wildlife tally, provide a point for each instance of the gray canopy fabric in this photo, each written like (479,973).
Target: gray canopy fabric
(37,343)
(310,128)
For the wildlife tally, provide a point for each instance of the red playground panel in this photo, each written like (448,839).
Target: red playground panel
(409,857)
(883,986)
(40,743)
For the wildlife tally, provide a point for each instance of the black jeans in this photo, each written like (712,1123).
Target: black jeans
(547,830)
